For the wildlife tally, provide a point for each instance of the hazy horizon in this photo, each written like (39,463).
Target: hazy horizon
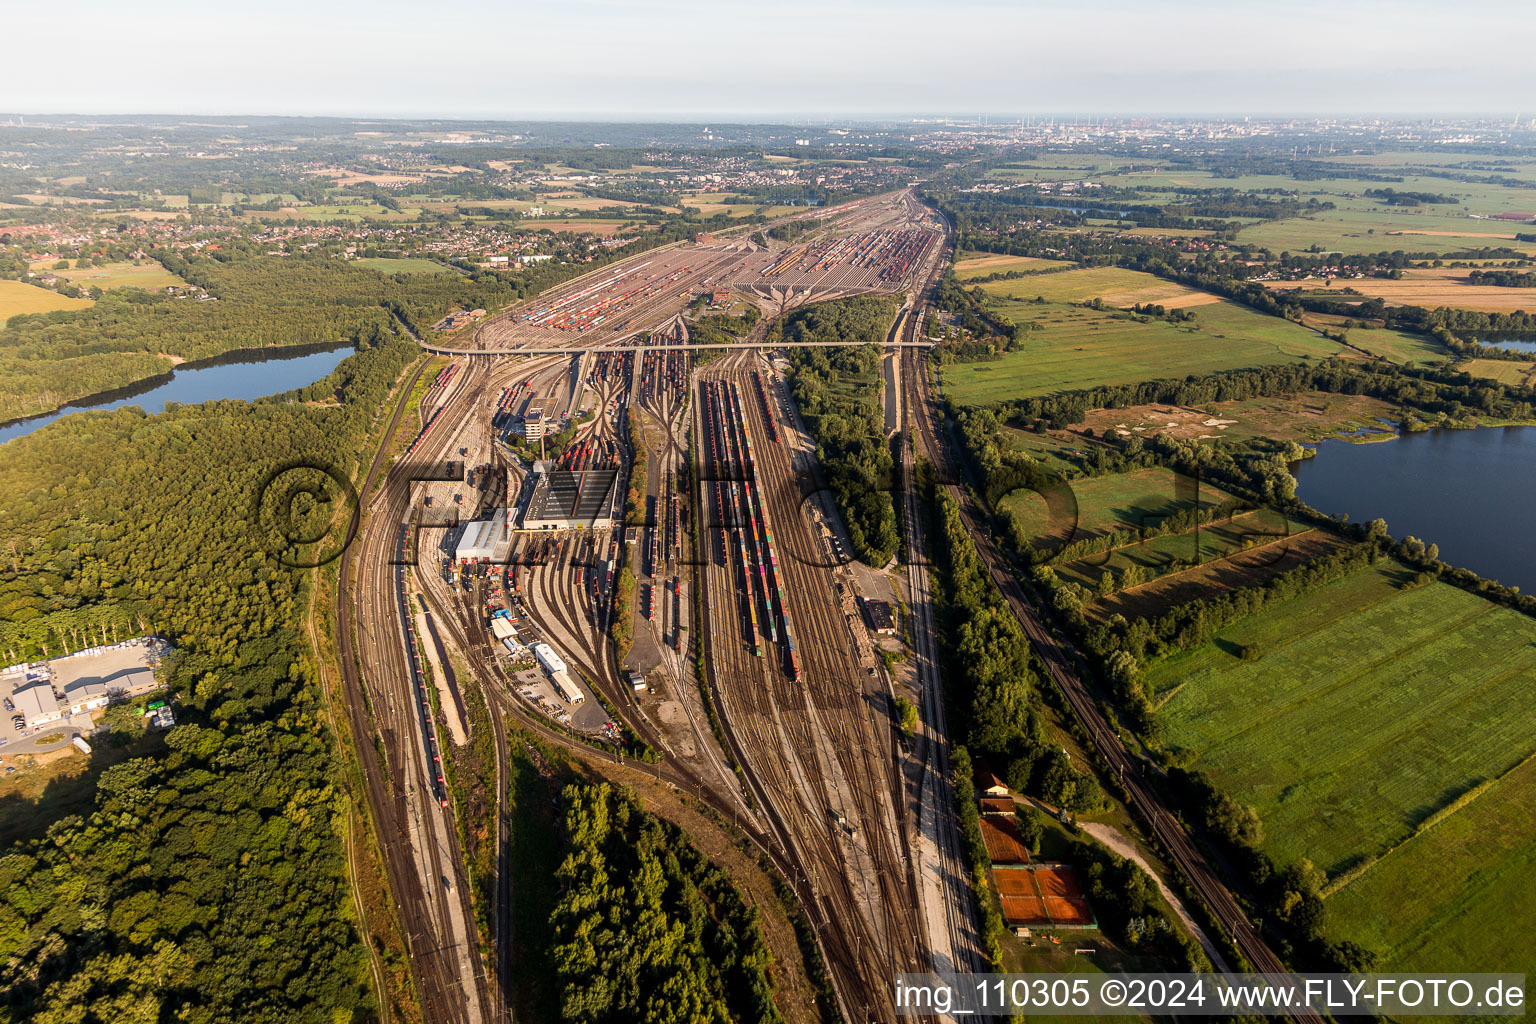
(687,60)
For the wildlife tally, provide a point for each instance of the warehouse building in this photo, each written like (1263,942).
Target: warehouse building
(563,499)
(558,673)
(37,705)
(485,540)
(88,693)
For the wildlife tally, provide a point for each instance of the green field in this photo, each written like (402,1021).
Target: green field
(1505,371)
(1159,555)
(1077,348)
(389,265)
(1358,223)
(17,298)
(1398,346)
(1472,882)
(149,275)
(1115,285)
(1120,501)
(1369,708)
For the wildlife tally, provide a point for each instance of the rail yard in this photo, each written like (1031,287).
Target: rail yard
(555,498)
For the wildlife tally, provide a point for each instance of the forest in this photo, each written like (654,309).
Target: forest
(838,393)
(208,883)
(646,928)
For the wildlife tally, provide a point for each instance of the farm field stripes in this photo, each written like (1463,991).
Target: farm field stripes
(1368,704)
(1447,894)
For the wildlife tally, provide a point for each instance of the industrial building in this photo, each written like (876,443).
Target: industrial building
(37,705)
(558,674)
(533,424)
(881,621)
(88,693)
(485,540)
(563,499)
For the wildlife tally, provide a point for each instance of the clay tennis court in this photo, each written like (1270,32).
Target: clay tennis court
(1042,896)
(1004,843)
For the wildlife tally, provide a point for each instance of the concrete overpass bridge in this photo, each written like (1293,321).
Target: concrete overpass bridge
(669,347)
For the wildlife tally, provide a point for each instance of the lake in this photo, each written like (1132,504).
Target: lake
(1472,492)
(237,375)
(1513,344)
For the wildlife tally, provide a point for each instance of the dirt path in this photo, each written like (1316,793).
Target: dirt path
(1116,841)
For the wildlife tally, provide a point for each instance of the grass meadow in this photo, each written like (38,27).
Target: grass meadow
(1077,348)
(1369,708)
(1460,895)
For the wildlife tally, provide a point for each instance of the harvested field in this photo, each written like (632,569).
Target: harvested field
(1159,555)
(1243,568)
(1431,288)
(982,265)
(17,297)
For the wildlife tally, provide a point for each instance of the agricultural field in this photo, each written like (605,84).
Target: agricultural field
(1121,501)
(974,265)
(1267,558)
(17,298)
(1369,706)
(1471,877)
(351,212)
(389,265)
(1076,348)
(1357,224)
(1431,287)
(149,275)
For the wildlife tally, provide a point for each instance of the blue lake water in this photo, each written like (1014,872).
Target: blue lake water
(1513,344)
(244,376)
(1472,492)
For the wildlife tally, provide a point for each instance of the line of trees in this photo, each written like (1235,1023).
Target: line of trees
(837,392)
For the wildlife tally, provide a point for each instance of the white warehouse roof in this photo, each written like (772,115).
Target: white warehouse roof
(548,658)
(484,539)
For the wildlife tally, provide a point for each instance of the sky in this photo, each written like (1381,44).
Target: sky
(784,59)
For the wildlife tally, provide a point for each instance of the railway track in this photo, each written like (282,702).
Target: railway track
(1130,770)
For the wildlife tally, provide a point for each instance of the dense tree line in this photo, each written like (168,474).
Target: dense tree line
(646,928)
(208,882)
(837,391)
(991,687)
(1392,197)
(1503,278)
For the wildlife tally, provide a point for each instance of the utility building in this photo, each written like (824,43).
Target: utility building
(485,540)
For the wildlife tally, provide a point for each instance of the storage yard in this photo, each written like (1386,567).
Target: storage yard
(871,245)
